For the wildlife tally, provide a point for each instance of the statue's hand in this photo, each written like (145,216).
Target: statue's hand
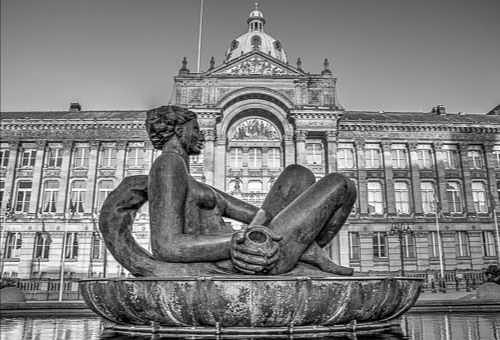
(255,250)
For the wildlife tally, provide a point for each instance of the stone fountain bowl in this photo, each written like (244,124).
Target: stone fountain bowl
(250,301)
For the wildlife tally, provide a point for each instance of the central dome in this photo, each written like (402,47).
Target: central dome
(256,39)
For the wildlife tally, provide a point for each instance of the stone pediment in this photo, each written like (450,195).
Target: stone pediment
(256,64)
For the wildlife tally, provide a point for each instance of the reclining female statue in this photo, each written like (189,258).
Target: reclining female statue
(188,235)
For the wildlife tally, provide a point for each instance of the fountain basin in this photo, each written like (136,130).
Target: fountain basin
(253,302)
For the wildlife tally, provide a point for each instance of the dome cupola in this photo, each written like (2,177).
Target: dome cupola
(256,39)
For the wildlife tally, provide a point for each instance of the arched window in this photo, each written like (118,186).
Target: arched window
(71,246)
(274,158)
(235,158)
(479,197)
(42,245)
(375,198)
(77,196)
(427,193)
(104,187)
(402,195)
(255,158)
(50,192)
(13,244)
(454,196)
(97,246)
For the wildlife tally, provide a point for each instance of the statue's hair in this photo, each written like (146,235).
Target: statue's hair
(161,123)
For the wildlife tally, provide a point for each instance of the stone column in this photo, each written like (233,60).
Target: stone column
(331,149)
(300,146)
(220,162)
(148,156)
(441,178)
(64,182)
(466,175)
(492,180)
(91,177)
(289,150)
(121,147)
(208,156)
(415,179)
(10,175)
(389,179)
(476,249)
(37,176)
(362,186)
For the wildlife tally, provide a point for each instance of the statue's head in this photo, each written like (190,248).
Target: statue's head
(166,122)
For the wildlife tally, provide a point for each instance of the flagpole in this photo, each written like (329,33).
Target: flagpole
(199,37)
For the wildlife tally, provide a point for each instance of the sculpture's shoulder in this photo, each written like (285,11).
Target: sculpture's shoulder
(169,161)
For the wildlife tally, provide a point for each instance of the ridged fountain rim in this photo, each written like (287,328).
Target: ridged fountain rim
(254,278)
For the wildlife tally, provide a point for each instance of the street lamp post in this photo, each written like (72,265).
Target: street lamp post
(401,229)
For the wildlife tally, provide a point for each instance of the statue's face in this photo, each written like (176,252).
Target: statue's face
(192,139)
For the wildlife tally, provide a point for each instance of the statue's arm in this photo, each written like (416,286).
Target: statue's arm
(167,192)
(235,208)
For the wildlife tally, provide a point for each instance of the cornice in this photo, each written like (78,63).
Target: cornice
(37,125)
(374,126)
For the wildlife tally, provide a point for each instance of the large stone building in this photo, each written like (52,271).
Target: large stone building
(259,114)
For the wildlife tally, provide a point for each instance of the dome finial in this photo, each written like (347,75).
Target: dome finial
(326,67)
(256,4)
(256,19)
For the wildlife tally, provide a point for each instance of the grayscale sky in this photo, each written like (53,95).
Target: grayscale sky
(392,55)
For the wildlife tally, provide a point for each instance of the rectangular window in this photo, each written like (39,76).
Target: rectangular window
(488,243)
(71,246)
(409,246)
(354,246)
(451,159)
(255,158)
(476,159)
(107,156)
(27,159)
(49,201)
(402,195)
(399,156)
(54,157)
(4,158)
(373,156)
(274,158)
(454,196)
(314,154)
(13,244)
(434,244)
(81,156)
(424,157)
(345,156)
(135,155)
(254,186)
(463,248)
(479,197)
(23,196)
(235,158)
(428,195)
(375,198)
(42,246)
(77,198)
(379,245)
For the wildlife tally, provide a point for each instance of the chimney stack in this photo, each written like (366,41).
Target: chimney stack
(440,109)
(75,107)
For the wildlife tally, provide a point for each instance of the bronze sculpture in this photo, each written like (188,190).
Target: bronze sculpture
(188,235)
(192,281)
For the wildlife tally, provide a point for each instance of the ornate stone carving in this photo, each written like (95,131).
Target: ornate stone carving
(255,129)
(255,65)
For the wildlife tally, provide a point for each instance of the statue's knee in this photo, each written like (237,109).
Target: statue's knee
(299,173)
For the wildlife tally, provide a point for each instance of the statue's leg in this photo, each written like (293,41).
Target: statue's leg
(316,214)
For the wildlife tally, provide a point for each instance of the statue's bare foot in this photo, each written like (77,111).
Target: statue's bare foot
(318,257)
(333,268)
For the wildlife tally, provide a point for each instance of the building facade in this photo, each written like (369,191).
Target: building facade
(426,171)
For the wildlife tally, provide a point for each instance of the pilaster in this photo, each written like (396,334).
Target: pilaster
(121,147)
(441,187)
(300,146)
(466,173)
(362,186)
(37,176)
(209,155)
(64,181)
(220,162)
(91,179)
(415,179)
(389,180)
(492,180)
(289,150)
(331,149)
(11,174)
